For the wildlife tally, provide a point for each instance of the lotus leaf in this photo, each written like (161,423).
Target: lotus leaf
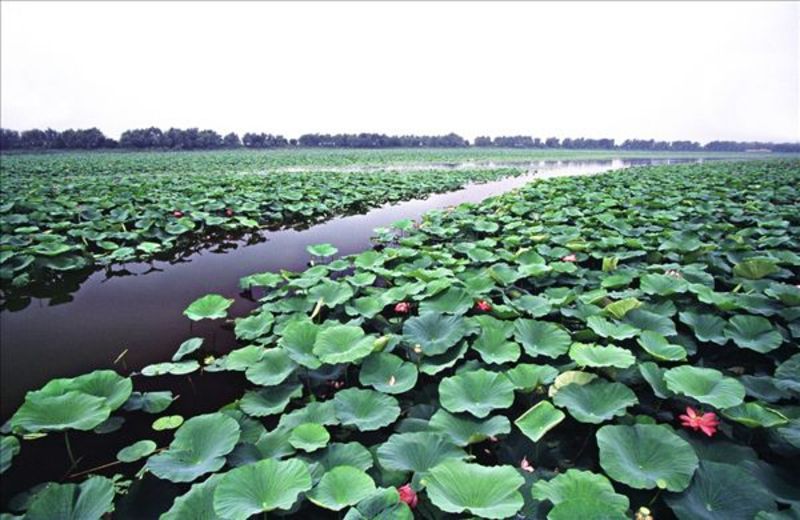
(365,409)
(707,385)
(342,486)
(477,392)
(581,494)
(388,373)
(210,306)
(417,452)
(538,420)
(646,456)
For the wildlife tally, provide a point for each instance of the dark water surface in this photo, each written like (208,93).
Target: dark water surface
(142,312)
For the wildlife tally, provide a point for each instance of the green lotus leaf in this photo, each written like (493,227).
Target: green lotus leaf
(533,306)
(657,346)
(581,494)
(269,401)
(662,284)
(754,415)
(493,346)
(340,487)
(330,293)
(620,308)
(590,355)
(109,385)
(388,373)
(646,456)
(707,385)
(721,491)
(526,377)
(259,487)
(272,369)
(342,454)
(9,448)
(320,412)
(477,392)
(755,268)
(199,447)
(606,329)
(274,444)
(69,411)
(753,332)
(243,358)
(210,306)
(169,368)
(342,344)
(136,451)
(595,402)
(706,327)
(538,420)
(788,374)
(434,332)
(645,320)
(466,430)
(309,437)
(90,500)
(254,326)
(168,422)
(322,250)
(195,504)
(454,300)
(366,306)
(787,294)
(541,338)
(570,377)
(365,409)
(187,347)
(432,365)
(298,339)
(261,280)
(417,452)
(384,504)
(654,375)
(455,486)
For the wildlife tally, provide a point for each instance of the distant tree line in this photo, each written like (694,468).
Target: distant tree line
(195,139)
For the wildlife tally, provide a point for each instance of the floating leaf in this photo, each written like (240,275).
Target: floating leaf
(707,385)
(342,344)
(646,456)
(340,487)
(541,338)
(455,486)
(590,355)
(388,373)
(199,447)
(477,392)
(210,306)
(90,500)
(9,448)
(753,332)
(753,415)
(596,401)
(755,268)
(187,347)
(309,437)
(322,250)
(195,504)
(468,430)
(657,346)
(136,451)
(365,409)
(581,494)
(272,369)
(434,332)
(538,420)
(259,487)
(606,329)
(416,452)
(269,401)
(168,422)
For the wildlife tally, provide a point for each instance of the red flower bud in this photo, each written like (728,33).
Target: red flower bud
(483,305)
(408,495)
(177,214)
(402,308)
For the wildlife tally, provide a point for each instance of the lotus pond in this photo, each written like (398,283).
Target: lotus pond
(616,346)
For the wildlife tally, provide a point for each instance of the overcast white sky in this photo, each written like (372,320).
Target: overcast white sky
(670,70)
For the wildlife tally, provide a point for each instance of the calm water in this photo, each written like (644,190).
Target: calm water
(142,311)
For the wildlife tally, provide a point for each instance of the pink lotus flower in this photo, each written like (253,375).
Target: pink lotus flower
(706,422)
(569,258)
(177,214)
(483,305)
(402,308)
(229,212)
(524,465)
(408,495)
